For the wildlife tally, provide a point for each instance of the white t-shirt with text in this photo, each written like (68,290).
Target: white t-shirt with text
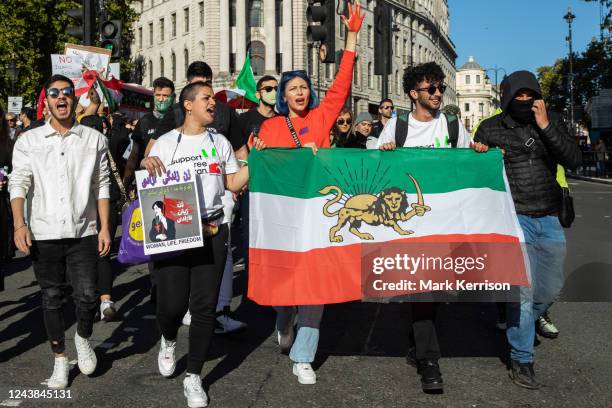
(212,156)
(425,134)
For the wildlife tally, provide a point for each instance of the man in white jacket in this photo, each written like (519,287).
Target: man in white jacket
(62,169)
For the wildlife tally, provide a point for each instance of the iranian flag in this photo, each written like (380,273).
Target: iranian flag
(243,94)
(110,89)
(330,228)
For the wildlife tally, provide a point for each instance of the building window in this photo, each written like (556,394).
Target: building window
(256,13)
(139,37)
(150,34)
(186,60)
(187,20)
(406,52)
(279,62)
(150,73)
(467,107)
(202,48)
(279,13)
(370,76)
(258,57)
(233,62)
(477,79)
(161,66)
(379,82)
(356,74)
(396,45)
(232,13)
(467,80)
(341,27)
(398,83)
(370,37)
(173,66)
(481,108)
(161,29)
(467,124)
(173,20)
(201,13)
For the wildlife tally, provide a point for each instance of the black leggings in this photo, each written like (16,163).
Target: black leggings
(191,281)
(105,272)
(422,330)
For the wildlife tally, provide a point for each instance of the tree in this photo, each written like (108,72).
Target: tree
(592,72)
(32,30)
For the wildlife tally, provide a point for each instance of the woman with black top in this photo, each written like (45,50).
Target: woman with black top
(192,279)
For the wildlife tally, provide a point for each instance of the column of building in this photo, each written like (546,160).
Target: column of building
(270,32)
(224,21)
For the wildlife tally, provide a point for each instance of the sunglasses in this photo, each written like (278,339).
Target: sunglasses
(267,88)
(387,107)
(431,89)
(54,92)
(342,122)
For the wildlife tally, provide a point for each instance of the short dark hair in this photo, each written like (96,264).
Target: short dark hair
(385,100)
(189,92)
(429,71)
(199,69)
(57,78)
(163,82)
(159,204)
(30,113)
(263,79)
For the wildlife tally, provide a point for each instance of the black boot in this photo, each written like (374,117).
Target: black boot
(522,374)
(431,377)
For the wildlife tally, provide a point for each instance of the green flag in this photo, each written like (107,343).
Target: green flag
(246,80)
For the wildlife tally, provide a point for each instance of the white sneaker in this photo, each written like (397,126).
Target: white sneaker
(59,378)
(193,391)
(226,324)
(86,356)
(305,373)
(107,310)
(166,359)
(187,319)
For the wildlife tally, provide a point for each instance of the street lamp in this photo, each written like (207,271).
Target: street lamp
(13,72)
(569,17)
(497,69)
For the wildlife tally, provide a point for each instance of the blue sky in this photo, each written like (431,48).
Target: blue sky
(519,34)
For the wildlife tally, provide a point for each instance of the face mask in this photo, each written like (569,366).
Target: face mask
(269,98)
(163,106)
(521,110)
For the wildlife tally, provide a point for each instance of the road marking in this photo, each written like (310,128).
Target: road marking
(10,403)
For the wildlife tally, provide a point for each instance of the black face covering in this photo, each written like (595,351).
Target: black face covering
(521,110)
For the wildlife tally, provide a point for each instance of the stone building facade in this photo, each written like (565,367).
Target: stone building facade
(172,33)
(477,97)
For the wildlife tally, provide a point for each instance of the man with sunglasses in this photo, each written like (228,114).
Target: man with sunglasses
(249,122)
(426,126)
(385,112)
(63,170)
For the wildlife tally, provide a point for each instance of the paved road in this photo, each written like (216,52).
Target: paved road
(361,357)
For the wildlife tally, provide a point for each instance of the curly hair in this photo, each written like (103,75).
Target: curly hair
(429,71)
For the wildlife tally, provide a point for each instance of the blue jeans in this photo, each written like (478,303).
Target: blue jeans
(308,321)
(545,242)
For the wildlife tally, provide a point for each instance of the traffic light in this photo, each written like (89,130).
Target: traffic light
(110,37)
(85,17)
(382,39)
(321,17)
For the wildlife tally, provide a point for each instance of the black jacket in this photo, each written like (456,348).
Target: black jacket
(531,154)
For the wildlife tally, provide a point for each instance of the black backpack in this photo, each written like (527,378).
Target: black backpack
(401,129)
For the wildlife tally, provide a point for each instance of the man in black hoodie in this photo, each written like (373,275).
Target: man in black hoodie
(534,141)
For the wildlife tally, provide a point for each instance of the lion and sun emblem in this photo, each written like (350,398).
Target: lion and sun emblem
(373,203)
